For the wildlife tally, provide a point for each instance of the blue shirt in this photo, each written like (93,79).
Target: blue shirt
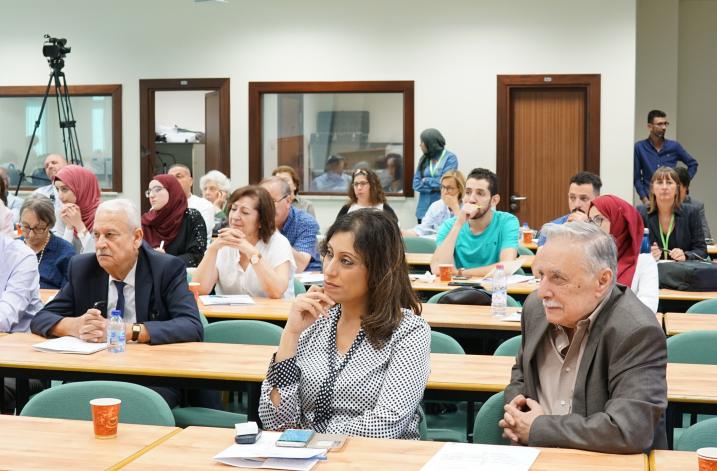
(301,230)
(647,160)
(560,220)
(483,249)
(437,213)
(331,182)
(428,185)
(19,286)
(55,262)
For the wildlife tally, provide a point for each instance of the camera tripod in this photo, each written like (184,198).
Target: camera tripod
(55,54)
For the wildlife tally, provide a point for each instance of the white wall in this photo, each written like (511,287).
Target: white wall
(452,53)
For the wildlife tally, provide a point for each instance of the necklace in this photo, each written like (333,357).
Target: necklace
(41,253)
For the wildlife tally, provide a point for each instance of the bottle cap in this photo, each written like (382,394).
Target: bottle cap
(499,266)
(116,312)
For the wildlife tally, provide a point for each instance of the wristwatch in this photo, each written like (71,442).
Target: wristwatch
(254,259)
(136,329)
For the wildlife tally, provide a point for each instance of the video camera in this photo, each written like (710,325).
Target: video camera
(55,50)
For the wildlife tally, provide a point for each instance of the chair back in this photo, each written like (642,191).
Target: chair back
(699,346)
(419,244)
(485,428)
(509,348)
(443,343)
(299,287)
(708,306)
(203,318)
(522,250)
(140,405)
(250,332)
(468,295)
(700,435)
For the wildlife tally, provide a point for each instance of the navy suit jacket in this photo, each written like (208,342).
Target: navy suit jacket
(163,301)
(686,234)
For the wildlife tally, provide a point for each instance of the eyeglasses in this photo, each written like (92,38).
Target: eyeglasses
(154,190)
(281,199)
(37,229)
(448,188)
(597,220)
(359,184)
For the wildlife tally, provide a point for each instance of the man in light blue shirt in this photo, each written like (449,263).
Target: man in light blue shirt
(333,180)
(478,236)
(19,298)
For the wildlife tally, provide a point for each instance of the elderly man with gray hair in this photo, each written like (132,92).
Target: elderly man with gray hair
(590,373)
(149,287)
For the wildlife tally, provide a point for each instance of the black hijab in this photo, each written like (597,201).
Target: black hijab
(435,143)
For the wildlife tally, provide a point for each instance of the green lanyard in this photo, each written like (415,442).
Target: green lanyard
(666,238)
(433,168)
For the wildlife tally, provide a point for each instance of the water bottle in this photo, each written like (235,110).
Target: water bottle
(645,247)
(115,332)
(499,297)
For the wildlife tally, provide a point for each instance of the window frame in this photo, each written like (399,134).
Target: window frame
(111,90)
(258,89)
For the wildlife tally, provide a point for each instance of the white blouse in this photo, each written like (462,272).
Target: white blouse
(234,280)
(645,282)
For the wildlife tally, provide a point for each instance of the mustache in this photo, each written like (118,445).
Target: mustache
(550,304)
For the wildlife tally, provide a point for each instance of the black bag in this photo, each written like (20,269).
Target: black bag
(690,275)
(466,295)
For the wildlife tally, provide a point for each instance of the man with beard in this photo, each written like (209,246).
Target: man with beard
(478,236)
(656,151)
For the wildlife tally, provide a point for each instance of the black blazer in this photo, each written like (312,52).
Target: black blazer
(190,243)
(163,301)
(687,233)
(386,209)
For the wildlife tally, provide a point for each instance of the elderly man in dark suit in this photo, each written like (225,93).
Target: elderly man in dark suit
(590,373)
(150,288)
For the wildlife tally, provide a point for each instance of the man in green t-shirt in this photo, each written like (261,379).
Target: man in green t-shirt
(478,236)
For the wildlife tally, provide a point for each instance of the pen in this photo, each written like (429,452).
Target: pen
(161,245)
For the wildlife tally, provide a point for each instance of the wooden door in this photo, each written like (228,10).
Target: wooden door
(212,131)
(547,133)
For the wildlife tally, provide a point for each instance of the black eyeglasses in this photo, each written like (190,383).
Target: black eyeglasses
(597,220)
(37,229)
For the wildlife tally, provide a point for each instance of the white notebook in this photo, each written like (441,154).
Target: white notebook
(69,344)
(225,299)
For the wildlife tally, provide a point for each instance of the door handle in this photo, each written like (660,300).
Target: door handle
(515,198)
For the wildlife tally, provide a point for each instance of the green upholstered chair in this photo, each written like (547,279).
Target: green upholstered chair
(699,346)
(485,428)
(708,306)
(509,348)
(140,405)
(251,332)
(522,250)
(203,318)
(419,244)
(443,343)
(299,287)
(699,435)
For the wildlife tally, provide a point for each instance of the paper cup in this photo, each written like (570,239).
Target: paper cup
(445,271)
(105,416)
(194,288)
(707,459)
(528,237)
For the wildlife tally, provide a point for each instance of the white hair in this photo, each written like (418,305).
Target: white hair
(217,177)
(122,205)
(598,246)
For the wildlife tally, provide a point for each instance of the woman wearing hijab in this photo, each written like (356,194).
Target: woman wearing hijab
(170,226)
(435,161)
(624,223)
(79,192)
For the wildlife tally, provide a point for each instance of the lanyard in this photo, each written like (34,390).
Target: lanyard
(433,168)
(666,238)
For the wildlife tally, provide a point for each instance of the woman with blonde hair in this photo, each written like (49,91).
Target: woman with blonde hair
(453,186)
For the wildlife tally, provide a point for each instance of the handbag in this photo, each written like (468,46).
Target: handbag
(466,295)
(690,275)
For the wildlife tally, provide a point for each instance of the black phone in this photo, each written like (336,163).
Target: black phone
(247,438)
(471,284)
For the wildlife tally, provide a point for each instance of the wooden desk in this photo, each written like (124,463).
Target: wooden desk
(674,295)
(668,460)
(677,323)
(46,294)
(424,259)
(39,443)
(264,309)
(712,250)
(194,447)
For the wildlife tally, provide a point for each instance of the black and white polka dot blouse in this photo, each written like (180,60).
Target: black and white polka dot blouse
(366,392)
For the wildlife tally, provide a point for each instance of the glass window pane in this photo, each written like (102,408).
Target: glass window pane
(324,136)
(93,116)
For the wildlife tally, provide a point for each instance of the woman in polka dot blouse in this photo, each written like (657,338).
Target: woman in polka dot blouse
(354,355)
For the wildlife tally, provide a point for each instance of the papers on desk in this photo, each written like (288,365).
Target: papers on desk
(310,277)
(511,317)
(69,345)
(459,456)
(225,299)
(265,454)
(427,277)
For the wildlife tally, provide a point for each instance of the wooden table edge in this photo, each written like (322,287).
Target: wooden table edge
(144,450)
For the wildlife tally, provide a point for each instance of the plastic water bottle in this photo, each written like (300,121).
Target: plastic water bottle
(645,247)
(499,297)
(115,332)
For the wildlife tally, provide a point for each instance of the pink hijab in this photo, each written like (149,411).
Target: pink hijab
(86,188)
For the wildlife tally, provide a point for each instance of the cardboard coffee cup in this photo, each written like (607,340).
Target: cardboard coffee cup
(707,459)
(105,416)
(445,271)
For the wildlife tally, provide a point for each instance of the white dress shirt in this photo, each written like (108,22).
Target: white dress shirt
(19,286)
(645,281)
(130,307)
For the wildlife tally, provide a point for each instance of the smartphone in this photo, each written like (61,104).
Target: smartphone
(460,277)
(247,438)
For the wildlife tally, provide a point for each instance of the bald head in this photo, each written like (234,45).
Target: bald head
(53,164)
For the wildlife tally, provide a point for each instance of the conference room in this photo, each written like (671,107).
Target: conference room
(343,96)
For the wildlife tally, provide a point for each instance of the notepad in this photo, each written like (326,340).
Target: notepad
(69,344)
(225,299)
(265,454)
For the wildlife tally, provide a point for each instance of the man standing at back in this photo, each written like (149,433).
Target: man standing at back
(478,237)
(298,226)
(584,188)
(656,151)
(182,173)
